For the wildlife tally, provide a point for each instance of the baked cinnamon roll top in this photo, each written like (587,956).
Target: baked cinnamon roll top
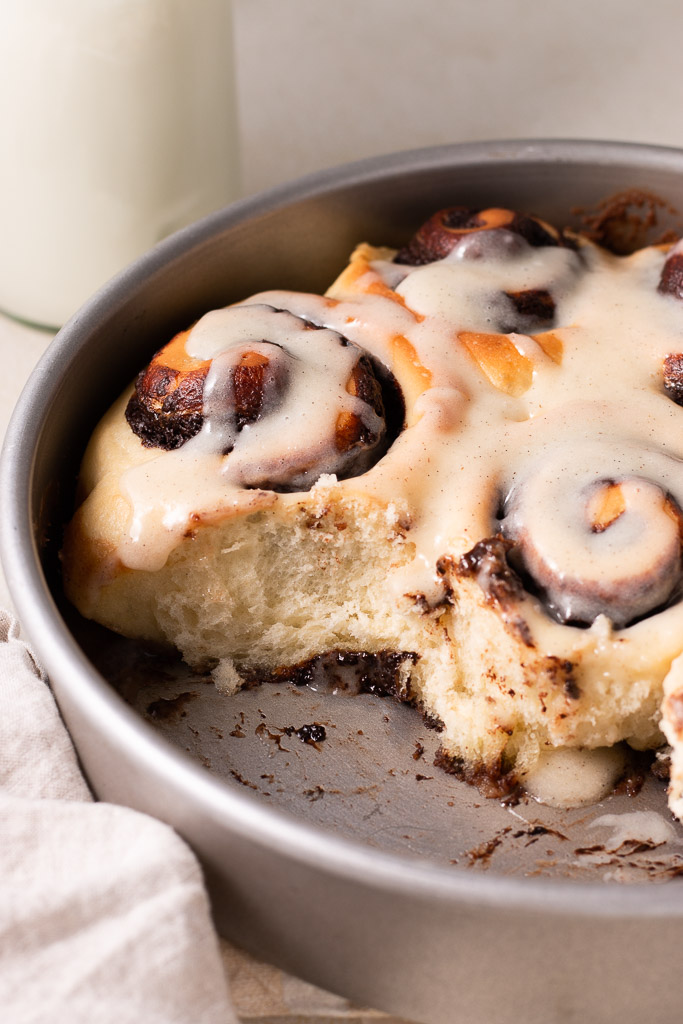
(477,234)
(310,393)
(537,370)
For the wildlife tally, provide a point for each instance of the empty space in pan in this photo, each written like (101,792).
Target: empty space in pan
(362,765)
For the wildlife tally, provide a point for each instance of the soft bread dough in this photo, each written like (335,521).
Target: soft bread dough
(373,563)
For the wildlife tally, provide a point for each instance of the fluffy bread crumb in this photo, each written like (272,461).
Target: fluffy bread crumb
(226,677)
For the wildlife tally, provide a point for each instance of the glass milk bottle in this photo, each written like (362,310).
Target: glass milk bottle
(118,126)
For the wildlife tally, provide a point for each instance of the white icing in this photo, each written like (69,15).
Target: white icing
(590,409)
(295,440)
(573,777)
(585,570)
(635,827)
(467,293)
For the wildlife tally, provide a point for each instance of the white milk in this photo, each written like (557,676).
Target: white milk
(118,127)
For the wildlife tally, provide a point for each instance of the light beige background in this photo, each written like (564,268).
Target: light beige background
(322,82)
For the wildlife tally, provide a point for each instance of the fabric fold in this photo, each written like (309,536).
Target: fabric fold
(103,911)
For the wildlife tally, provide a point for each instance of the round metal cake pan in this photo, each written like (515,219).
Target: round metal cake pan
(396,931)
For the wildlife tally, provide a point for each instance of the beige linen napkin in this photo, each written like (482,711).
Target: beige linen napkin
(103,912)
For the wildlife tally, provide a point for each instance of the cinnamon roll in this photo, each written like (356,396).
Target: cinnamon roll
(598,532)
(255,367)
(464,464)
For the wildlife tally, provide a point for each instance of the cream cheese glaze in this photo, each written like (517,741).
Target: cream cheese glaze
(575,777)
(211,470)
(601,408)
(550,430)
(596,413)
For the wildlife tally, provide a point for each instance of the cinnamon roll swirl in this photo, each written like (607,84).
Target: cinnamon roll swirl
(507,535)
(476,234)
(598,532)
(254,367)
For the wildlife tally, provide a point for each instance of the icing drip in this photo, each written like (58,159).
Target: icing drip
(574,777)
